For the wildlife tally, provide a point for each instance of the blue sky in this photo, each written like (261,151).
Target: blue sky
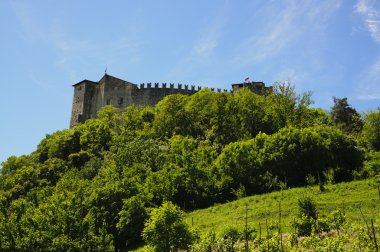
(331,48)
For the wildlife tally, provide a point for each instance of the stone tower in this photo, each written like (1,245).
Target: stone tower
(257,87)
(90,97)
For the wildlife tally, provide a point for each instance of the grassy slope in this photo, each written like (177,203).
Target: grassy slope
(349,196)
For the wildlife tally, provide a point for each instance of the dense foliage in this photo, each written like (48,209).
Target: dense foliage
(94,186)
(166,231)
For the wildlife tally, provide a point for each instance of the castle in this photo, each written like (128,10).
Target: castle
(90,96)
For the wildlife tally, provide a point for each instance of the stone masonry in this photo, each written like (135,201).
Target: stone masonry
(90,96)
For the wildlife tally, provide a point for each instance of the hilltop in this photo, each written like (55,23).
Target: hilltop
(104,184)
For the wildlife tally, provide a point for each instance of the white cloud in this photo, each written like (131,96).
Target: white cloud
(74,53)
(370,12)
(30,27)
(209,38)
(290,74)
(369,88)
(284,24)
(207,43)
(201,53)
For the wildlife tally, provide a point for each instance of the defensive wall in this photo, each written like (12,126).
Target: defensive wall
(90,97)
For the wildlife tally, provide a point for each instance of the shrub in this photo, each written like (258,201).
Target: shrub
(230,235)
(307,216)
(166,231)
(304,225)
(307,207)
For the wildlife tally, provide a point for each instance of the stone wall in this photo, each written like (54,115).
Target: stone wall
(256,87)
(150,95)
(90,97)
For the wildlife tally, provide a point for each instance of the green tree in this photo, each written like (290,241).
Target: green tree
(132,218)
(289,155)
(224,120)
(254,114)
(166,231)
(200,110)
(371,130)
(289,107)
(185,176)
(171,117)
(345,116)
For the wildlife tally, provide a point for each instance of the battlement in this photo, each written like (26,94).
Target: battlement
(172,86)
(179,86)
(90,96)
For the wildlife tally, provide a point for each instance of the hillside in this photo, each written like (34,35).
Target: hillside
(352,198)
(109,183)
(348,197)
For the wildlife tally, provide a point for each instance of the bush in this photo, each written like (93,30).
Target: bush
(304,225)
(307,216)
(230,235)
(166,231)
(207,243)
(307,207)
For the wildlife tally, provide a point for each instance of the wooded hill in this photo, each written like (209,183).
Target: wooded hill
(92,187)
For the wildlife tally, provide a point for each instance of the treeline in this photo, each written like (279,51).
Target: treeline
(92,187)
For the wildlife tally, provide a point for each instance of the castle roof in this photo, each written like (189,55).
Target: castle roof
(110,77)
(249,83)
(103,79)
(87,81)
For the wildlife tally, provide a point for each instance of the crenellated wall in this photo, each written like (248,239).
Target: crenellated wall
(150,94)
(90,97)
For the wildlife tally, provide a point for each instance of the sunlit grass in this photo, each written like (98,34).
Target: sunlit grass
(350,197)
(260,209)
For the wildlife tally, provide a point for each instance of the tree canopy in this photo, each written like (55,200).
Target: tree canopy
(97,186)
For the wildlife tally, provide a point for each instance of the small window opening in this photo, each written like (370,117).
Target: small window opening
(108,101)
(120,101)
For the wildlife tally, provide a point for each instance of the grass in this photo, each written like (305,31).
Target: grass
(348,197)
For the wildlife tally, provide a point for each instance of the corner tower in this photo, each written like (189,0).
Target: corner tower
(82,101)
(257,87)
(90,97)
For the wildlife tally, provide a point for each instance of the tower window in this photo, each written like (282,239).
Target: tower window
(108,102)
(120,101)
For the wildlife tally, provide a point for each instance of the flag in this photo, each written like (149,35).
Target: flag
(246,79)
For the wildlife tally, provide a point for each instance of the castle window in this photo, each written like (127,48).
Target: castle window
(79,88)
(120,101)
(108,101)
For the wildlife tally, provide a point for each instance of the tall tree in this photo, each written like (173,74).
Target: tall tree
(371,130)
(289,106)
(345,116)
